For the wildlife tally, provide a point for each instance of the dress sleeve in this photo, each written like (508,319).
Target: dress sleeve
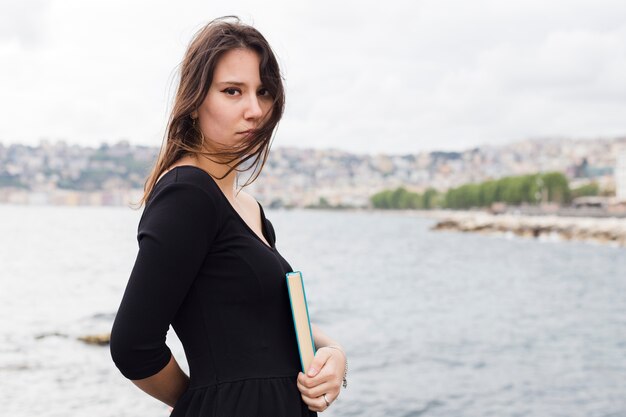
(175,232)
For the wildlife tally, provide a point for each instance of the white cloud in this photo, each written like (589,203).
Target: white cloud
(22,22)
(396,76)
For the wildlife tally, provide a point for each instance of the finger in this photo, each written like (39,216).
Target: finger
(301,379)
(330,372)
(320,358)
(316,404)
(308,382)
(335,368)
(305,384)
(311,382)
(329,388)
(313,391)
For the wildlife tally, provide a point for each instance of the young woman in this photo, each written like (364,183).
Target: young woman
(207,261)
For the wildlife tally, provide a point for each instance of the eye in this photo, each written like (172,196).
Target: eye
(264,92)
(231,91)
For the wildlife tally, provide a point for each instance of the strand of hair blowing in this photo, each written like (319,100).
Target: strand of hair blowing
(197,68)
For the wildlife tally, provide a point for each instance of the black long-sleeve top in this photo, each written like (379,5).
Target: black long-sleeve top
(201,269)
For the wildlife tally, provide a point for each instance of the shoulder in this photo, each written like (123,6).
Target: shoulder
(185,195)
(248,201)
(187,181)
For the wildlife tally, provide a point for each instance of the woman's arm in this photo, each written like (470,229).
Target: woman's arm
(322,383)
(174,236)
(167,385)
(321,339)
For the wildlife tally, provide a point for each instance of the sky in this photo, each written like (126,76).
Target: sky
(361,76)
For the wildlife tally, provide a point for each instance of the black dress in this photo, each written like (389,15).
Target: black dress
(201,269)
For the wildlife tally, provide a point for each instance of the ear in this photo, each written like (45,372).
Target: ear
(194,114)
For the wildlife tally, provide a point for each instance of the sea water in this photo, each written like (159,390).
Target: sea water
(434,323)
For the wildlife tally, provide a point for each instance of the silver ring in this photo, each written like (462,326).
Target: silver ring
(326,400)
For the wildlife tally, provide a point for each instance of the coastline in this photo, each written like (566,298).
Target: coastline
(604,230)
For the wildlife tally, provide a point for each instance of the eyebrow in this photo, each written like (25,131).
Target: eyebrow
(237,83)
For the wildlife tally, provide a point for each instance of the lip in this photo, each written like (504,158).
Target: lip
(247,132)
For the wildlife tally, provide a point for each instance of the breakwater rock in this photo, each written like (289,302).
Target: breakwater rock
(96,339)
(601,230)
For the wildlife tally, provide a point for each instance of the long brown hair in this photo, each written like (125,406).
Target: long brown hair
(196,74)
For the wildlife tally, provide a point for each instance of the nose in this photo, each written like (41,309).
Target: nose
(253,108)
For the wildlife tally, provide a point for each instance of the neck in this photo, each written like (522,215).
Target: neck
(217,170)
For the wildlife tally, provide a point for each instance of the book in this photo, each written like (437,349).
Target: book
(301,321)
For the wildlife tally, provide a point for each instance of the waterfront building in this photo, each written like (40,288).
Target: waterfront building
(620,175)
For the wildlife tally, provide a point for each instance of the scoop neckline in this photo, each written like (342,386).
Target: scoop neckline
(263,218)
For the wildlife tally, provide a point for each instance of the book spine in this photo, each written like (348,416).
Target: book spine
(306,306)
(298,274)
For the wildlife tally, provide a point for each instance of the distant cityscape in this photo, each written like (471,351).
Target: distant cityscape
(113,174)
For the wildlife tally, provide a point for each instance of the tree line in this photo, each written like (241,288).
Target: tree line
(550,187)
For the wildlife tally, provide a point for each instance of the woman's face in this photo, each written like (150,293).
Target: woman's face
(236,102)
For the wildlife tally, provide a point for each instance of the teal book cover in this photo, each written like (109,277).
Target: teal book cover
(301,319)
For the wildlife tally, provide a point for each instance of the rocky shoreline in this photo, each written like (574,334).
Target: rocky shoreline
(610,231)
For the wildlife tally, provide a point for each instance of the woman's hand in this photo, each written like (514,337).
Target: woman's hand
(323,378)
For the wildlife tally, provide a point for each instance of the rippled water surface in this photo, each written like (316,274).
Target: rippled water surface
(435,324)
